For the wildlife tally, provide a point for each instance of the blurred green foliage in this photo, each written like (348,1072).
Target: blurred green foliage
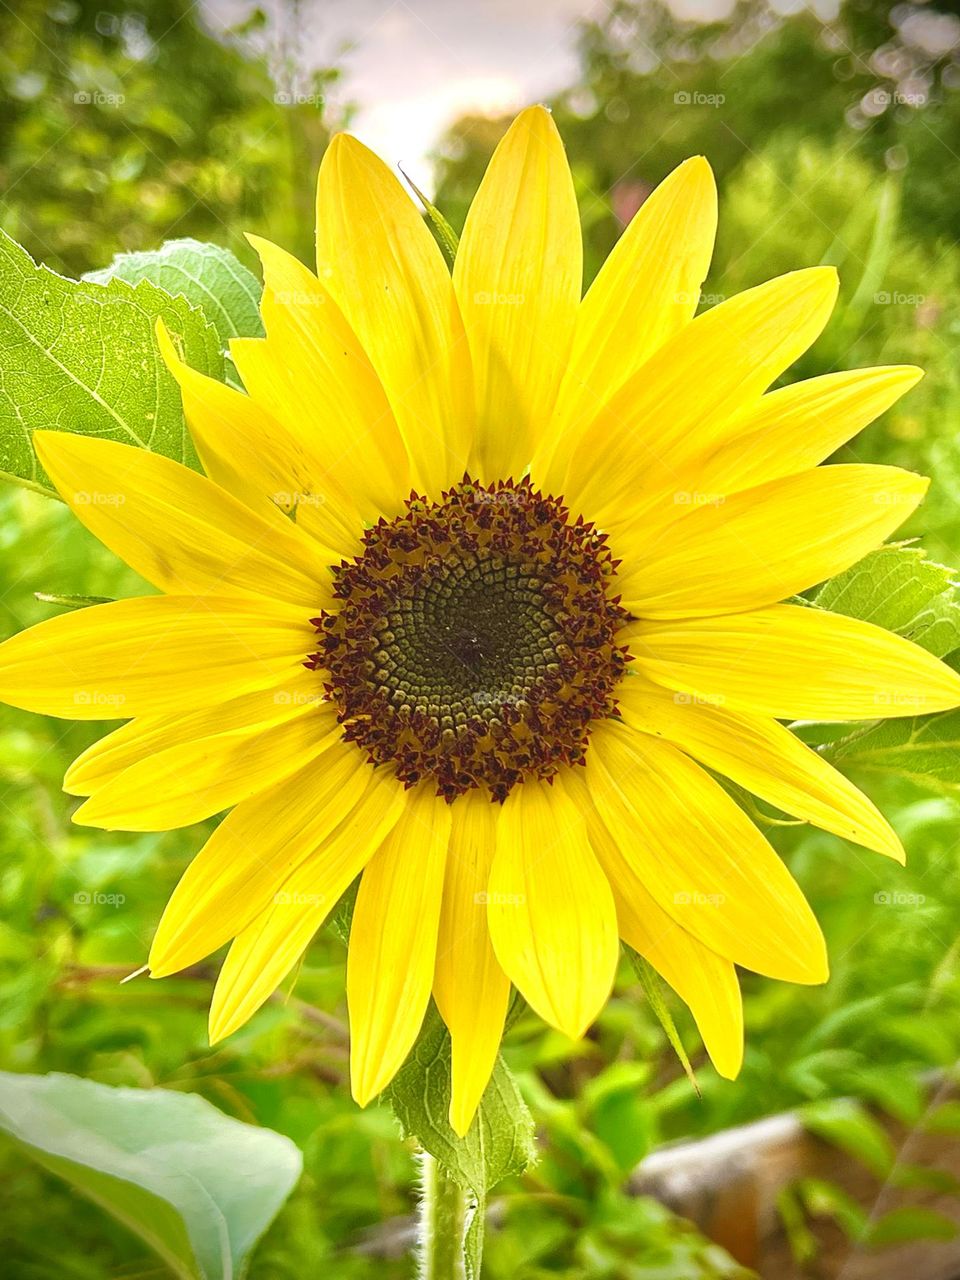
(119,130)
(127,125)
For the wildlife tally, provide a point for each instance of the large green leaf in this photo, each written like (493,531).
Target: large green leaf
(898,588)
(498,1143)
(922,749)
(208,276)
(82,357)
(198,1187)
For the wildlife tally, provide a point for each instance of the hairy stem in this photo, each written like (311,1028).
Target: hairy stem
(443,1219)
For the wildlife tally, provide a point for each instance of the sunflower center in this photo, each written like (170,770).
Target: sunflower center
(475,639)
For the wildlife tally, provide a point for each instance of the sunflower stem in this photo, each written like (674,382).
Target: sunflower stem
(443,1221)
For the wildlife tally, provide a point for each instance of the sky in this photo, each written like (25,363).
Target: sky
(413,66)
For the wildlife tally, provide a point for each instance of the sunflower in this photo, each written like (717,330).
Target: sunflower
(479,592)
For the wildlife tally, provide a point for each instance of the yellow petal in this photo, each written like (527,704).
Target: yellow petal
(673,412)
(700,857)
(386,272)
(157,655)
(260,843)
(795,663)
(517,276)
(194,780)
(393,942)
(798,426)
(706,982)
(245,450)
(470,988)
(263,953)
(329,392)
(761,545)
(551,914)
(138,739)
(324,508)
(647,290)
(178,529)
(763,756)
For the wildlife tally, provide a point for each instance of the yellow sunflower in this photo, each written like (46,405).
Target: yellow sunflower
(481,587)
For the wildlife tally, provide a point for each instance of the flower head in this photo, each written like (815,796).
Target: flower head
(480,588)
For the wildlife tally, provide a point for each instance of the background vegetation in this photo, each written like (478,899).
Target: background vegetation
(833,141)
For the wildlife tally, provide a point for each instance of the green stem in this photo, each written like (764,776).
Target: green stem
(443,1218)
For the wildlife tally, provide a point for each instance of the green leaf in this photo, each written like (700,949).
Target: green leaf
(71,602)
(446,237)
(653,990)
(923,749)
(898,588)
(208,276)
(82,357)
(900,1226)
(198,1187)
(498,1143)
(845,1124)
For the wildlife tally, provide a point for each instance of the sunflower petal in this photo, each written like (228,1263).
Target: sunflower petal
(330,389)
(386,272)
(138,739)
(323,506)
(798,426)
(674,411)
(194,780)
(763,756)
(393,942)
(647,290)
(246,451)
(795,663)
(470,988)
(264,952)
(551,914)
(152,656)
(760,545)
(260,844)
(517,276)
(706,982)
(700,857)
(178,529)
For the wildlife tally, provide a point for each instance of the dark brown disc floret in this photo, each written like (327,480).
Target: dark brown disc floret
(475,639)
